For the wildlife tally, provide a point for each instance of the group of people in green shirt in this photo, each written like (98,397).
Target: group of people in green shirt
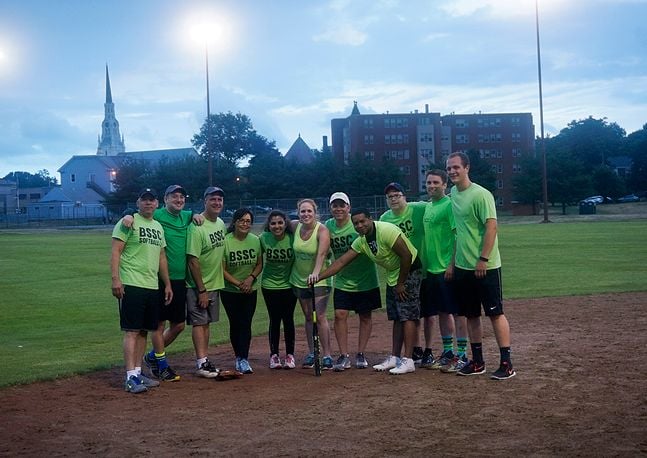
(440,258)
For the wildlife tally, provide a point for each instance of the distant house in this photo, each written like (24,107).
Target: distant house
(87,180)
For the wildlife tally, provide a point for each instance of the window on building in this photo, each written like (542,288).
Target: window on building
(461,123)
(516,137)
(73,177)
(368,139)
(516,168)
(368,123)
(406,170)
(34,196)
(499,201)
(462,138)
(515,121)
(497,168)
(516,152)
(370,155)
(499,184)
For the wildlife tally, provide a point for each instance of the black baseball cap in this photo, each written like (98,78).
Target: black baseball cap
(213,190)
(147,192)
(175,188)
(397,186)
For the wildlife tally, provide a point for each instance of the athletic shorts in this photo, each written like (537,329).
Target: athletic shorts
(197,316)
(408,310)
(139,309)
(436,296)
(175,312)
(471,293)
(305,293)
(357,301)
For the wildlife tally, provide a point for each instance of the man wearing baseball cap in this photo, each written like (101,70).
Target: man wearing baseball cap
(137,263)
(408,216)
(175,221)
(205,248)
(356,285)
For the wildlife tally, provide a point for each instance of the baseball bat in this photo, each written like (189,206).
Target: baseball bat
(315,334)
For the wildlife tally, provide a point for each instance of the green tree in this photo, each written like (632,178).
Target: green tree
(607,183)
(528,183)
(636,149)
(481,171)
(590,141)
(28,180)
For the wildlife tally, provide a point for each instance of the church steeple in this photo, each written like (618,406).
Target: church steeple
(111,142)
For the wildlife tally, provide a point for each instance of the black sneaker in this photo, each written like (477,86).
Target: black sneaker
(505,371)
(472,368)
(151,363)
(168,375)
(417,355)
(427,360)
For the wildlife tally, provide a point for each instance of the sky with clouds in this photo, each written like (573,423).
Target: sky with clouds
(293,65)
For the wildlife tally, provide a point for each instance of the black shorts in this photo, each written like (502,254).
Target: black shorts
(139,309)
(471,293)
(357,301)
(175,312)
(436,296)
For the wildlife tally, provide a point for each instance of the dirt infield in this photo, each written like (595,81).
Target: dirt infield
(580,389)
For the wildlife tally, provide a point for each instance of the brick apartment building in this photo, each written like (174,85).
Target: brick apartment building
(416,140)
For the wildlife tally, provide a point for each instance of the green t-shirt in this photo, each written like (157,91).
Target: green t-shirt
(140,259)
(278,257)
(241,257)
(410,222)
(305,258)
(381,251)
(440,235)
(472,208)
(359,275)
(175,232)
(207,244)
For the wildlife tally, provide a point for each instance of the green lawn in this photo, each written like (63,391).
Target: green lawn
(59,318)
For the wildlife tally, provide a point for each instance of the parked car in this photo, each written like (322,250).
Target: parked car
(260,209)
(597,200)
(628,198)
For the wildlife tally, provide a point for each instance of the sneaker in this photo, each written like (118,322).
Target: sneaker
(207,370)
(148,382)
(326,363)
(343,362)
(417,355)
(455,365)
(443,361)
(505,371)
(472,368)
(309,360)
(360,361)
(289,363)
(389,363)
(135,384)
(245,368)
(168,375)
(151,363)
(237,364)
(405,365)
(427,361)
(275,362)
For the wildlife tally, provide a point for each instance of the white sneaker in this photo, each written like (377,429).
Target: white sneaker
(275,362)
(207,370)
(389,363)
(405,366)
(289,363)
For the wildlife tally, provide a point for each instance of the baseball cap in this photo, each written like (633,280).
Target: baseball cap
(147,192)
(213,190)
(397,186)
(340,196)
(175,188)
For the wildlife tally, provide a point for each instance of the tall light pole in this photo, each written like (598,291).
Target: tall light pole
(210,158)
(541,122)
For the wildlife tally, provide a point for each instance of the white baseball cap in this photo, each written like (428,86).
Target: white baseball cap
(340,196)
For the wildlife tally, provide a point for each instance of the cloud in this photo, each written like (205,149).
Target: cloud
(342,34)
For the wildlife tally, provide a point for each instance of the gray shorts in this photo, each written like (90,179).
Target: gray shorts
(196,316)
(397,310)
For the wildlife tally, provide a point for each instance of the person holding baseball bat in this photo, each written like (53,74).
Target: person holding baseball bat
(311,247)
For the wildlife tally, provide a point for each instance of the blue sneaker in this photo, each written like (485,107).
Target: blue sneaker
(148,383)
(237,364)
(134,384)
(309,360)
(326,362)
(245,368)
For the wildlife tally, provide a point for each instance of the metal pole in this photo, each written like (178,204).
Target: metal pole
(541,122)
(210,159)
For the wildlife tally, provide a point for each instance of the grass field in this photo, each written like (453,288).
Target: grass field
(59,318)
